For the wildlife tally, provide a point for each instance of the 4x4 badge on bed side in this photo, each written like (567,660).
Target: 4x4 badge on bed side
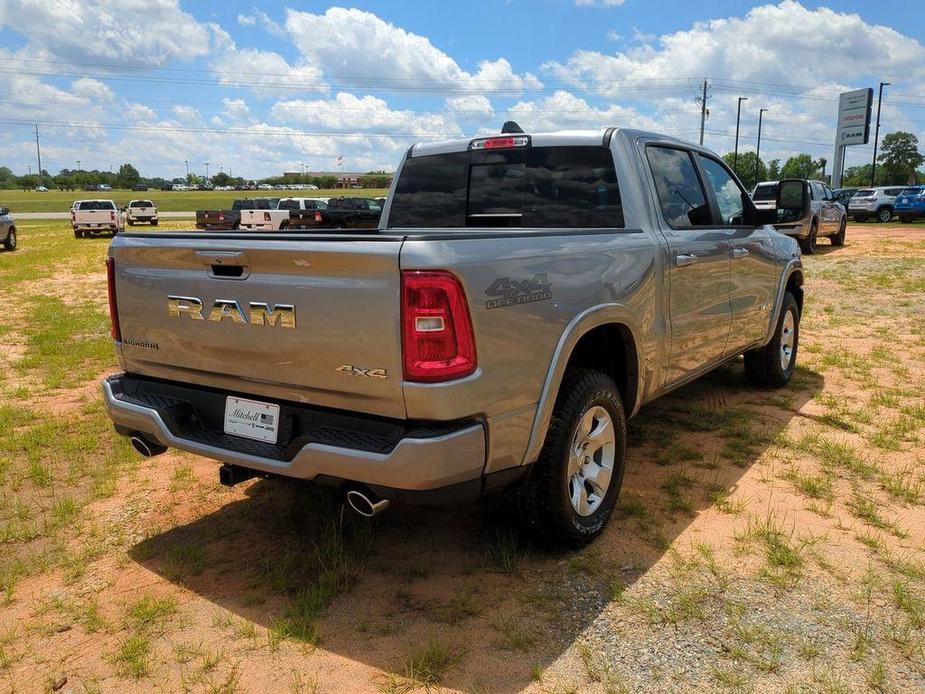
(512,292)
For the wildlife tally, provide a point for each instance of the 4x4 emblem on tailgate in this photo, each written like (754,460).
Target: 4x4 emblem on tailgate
(279,315)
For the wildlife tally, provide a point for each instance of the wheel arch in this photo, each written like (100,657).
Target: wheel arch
(605,338)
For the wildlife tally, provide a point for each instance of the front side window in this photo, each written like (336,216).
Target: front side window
(536,187)
(727,192)
(680,194)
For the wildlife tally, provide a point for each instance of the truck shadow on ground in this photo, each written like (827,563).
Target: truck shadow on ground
(464,582)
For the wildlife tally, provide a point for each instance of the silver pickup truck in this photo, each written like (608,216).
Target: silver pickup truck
(522,297)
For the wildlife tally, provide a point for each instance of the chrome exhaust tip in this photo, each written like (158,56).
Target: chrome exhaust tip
(146,448)
(366,504)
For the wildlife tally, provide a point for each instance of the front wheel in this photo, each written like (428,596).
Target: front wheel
(772,366)
(10,243)
(884,214)
(839,238)
(575,483)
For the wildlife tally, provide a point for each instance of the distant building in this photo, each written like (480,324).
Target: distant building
(345,179)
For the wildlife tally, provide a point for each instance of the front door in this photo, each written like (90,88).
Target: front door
(753,272)
(699,263)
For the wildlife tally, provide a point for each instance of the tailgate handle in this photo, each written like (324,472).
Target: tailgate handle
(225,264)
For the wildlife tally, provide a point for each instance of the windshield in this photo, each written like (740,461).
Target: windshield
(911,191)
(538,187)
(765,191)
(141,203)
(97,205)
(864,194)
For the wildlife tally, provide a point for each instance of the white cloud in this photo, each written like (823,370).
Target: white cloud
(614,35)
(261,18)
(347,112)
(264,71)
(564,110)
(92,89)
(186,114)
(471,106)
(357,44)
(126,32)
(772,43)
(134,111)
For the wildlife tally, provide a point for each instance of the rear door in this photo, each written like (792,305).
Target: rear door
(304,320)
(699,253)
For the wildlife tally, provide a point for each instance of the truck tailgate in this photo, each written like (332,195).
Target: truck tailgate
(344,350)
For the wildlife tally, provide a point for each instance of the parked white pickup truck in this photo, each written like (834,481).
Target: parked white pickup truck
(141,211)
(95,217)
(277,218)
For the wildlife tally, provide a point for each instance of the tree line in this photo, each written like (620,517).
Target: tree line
(128,176)
(897,164)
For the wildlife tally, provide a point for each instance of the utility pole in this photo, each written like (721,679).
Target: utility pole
(758,148)
(186,161)
(207,171)
(873,167)
(735,155)
(38,150)
(703,109)
(78,166)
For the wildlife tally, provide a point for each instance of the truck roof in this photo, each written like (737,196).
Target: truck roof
(559,138)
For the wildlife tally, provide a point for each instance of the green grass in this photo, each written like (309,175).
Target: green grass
(133,659)
(166,201)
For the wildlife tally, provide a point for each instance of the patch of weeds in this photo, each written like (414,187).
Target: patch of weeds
(902,485)
(148,611)
(514,634)
(504,550)
(674,486)
(729,677)
(677,453)
(428,665)
(842,456)
(460,607)
(721,498)
(184,560)
(783,554)
(910,603)
(813,486)
(133,659)
(867,510)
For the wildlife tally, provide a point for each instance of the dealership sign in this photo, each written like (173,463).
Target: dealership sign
(854,117)
(852,127)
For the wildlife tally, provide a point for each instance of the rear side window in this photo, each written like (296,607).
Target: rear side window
(289,205)
(538,187)
(680,193)
(893,191)
(765,192)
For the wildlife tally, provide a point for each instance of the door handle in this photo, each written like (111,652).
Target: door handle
(686,259)
(739,252)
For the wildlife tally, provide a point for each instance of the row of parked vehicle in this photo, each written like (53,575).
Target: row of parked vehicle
(94,217)
(827,211)
(280,214)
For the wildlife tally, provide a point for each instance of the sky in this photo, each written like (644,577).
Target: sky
(257,89)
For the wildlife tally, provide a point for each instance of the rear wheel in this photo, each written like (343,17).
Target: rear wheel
(575,482)
(154,222)
(808,245)
(839,238)
(884,214)
(772,366)
(78,234)
(10,242)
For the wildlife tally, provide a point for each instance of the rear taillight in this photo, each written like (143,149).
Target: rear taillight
(438,343)
(318,216)
(112,216)
(500,142)
(221,216)
(115,330)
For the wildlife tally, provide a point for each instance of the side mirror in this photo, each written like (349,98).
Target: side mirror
(4,210)
(792,200)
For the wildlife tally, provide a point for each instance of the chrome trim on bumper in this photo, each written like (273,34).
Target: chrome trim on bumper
(414,463)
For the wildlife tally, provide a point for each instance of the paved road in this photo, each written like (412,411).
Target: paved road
(67,215)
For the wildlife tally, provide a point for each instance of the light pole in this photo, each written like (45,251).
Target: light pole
(735,154)
(873,166)
(186,161)
(758,147)
(207,171)
(78,166)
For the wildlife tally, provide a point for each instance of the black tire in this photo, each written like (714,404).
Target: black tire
(839,238)
(763,366)
(78,234)
(154,223)
(131,223)
(544,500)
(885,214)
(905,219)
(808,245)
(10,242)
(859,218)
(339,227)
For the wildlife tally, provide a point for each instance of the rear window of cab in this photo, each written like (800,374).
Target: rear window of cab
(529,187)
